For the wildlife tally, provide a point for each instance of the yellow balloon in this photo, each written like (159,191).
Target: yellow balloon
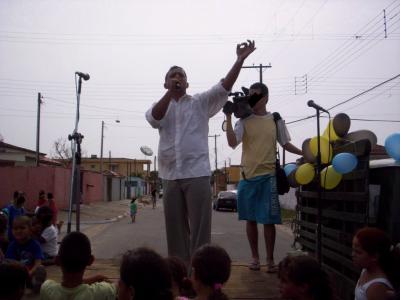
(326,149)
(330,132)
(305,173)
(330,178)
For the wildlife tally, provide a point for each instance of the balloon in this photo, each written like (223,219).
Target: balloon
(305,173)
(307,154)
(341,124)
(292,179)
(392,145)
(330,178)
(344,162)
(330,133)
(326,149)
(289,168)
(361,135)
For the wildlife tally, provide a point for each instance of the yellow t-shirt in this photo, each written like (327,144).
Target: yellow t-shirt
(259,146)
(99,290)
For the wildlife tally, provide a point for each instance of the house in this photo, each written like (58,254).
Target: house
(123,166)
(14,156)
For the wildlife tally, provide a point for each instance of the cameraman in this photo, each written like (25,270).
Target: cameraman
(184,166)
(257,194)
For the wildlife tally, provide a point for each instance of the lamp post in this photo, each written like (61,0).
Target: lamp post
(102,144)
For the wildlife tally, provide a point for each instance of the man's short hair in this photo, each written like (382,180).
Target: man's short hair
(173,68)
(260,86)
(75,252)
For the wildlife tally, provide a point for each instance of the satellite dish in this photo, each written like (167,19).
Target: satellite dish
(146,150)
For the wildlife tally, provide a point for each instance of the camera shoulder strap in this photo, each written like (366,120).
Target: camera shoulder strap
(277,117)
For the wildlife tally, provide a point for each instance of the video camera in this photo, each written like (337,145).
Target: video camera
(242,103)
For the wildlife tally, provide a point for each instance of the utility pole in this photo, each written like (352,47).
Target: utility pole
(215,149)
(260,67)
(216,163)
(39,102)
(101,147)
(109,160)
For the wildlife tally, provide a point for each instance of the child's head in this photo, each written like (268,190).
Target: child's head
(181,284)
(373,246)
(21,229)
(19,202)
(16,195)
(144,274)
(45,216)
(36,227)
(211,267)
(50,196)
(13,278)
(133,199)
(302,277)
(75,253)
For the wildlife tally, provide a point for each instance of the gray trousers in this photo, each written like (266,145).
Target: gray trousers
(187,210)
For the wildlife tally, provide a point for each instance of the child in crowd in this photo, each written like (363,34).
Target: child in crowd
(13,278)
(53,207)
(3,234)
(211,268)
(301,277)
(181,284)
(14,210)
(41,201)
(27,251)
(48,235)
(133,209)
(74,256)
(380,263)
(144,275)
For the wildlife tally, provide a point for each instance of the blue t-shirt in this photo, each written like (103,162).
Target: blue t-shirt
(25,253)
(13,212)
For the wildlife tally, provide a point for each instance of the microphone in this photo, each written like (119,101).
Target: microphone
(311,103)
(84,76)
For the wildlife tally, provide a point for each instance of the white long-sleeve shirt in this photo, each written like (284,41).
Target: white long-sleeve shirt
(183,145)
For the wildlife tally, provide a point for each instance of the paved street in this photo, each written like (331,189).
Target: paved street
(111,239)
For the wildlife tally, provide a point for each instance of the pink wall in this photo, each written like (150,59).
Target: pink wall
(50,179)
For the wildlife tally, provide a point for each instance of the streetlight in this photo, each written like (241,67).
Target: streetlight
(101,145)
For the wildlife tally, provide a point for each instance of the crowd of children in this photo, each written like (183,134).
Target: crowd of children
(30,243)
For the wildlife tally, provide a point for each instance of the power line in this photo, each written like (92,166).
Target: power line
(348,100)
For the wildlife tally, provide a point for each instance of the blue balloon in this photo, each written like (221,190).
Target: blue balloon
(392,145)
(289,168)
(344,162)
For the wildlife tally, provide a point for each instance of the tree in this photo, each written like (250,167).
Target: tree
(61,149)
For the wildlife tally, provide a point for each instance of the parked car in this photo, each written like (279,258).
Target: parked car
(227,200)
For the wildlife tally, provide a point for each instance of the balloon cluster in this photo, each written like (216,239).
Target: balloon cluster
(342,163)
(392,146)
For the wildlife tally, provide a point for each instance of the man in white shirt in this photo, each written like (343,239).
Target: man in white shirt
(184,166)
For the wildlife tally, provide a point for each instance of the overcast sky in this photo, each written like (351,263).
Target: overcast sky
(325,50)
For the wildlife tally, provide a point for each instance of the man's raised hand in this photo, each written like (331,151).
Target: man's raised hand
(244,49)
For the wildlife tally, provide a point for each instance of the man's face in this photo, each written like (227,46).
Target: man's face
(176,79)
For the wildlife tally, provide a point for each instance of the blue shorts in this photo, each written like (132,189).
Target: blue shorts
(258,200)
